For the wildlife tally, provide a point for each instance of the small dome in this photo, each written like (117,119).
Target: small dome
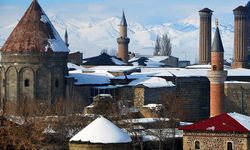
(103,131)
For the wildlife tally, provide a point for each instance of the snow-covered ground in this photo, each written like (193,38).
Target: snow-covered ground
(90,37)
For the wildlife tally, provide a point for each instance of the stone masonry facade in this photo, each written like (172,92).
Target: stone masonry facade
(33,77)
(215,141)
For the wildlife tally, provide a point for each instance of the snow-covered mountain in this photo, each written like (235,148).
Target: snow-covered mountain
(93,35)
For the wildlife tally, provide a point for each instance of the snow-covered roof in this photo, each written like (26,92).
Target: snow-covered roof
(151,82)
(238,72)
(76,67)
(113,68)
(103,131)
(242,119)
(89,78)
(158,58)
(236,82)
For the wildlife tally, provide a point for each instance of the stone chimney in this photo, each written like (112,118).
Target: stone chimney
(205,36)
(217,75)
(240,37)
(123,40)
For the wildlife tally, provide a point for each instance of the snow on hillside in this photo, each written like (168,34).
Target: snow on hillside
(91,36)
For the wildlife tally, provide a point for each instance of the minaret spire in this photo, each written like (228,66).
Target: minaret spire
(123,21)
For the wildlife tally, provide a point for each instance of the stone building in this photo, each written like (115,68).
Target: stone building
(101,134)
(123,40)
(227,131)
(34,60)
(205,36)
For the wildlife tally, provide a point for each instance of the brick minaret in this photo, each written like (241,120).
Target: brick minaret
(217,76)
(240,37)
(123,40)
(205,36)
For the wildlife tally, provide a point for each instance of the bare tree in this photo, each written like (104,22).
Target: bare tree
(163,46)
(157,46)
(166,46)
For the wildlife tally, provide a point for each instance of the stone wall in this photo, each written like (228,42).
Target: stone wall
(75,146)
(237,97)
(215,141)
(195,94)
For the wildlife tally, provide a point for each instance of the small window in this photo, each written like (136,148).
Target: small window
(56,83)
(26,83)
(229,146)
(197,145)
(214,67)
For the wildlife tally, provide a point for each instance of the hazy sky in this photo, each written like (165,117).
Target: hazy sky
(147,12)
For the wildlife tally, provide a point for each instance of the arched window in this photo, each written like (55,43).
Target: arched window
(196,145)
(56,83)
(214,67)
(229,146)
(26,83)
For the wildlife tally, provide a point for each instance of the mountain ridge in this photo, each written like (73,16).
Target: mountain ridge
(91,36)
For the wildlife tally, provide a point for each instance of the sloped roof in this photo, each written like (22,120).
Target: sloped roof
(227,122)
(207,10)
(123,20)
(103,59)
(101,130)
(240,8)
(217,42)
(34,33)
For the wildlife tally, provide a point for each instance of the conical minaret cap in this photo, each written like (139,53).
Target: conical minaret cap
(123,21)
(217,42)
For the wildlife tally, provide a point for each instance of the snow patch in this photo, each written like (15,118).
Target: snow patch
(44,19)
(242,119)
(212,128)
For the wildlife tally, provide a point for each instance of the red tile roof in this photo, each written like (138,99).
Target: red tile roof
(222,123)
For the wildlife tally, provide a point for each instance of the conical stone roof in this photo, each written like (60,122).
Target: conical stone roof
(217,42)
(123,21)
(103,131)
(34,33)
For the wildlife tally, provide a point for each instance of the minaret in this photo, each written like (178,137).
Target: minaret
(123,40)
(248,31)
(217,75)
(205,36)
(240,37)
(66,40)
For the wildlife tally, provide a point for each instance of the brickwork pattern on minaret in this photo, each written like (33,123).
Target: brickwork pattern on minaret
(205,36)
(217,76)
(240,37)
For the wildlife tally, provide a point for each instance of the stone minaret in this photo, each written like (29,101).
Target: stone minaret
(123,40)
(248,32)
(217,76)
(66,38)
(205,36)
(240,37)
